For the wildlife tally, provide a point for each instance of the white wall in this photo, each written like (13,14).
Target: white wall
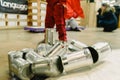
(2,23)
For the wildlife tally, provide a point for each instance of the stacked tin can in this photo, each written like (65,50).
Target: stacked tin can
(54,58)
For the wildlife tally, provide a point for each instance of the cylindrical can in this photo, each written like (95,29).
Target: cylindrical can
(50,36)
(77,60)
(103,49)
(53,51)
(43,49)
(48,66)
(20,68)
(32,56)
(76,45)
(13,55)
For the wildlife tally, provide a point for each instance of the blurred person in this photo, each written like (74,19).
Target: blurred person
(106,18)
(72,25)
(73,10)
(117,12)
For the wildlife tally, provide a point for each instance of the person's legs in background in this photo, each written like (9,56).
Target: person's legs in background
(73,25)
(109,28)
(49,19)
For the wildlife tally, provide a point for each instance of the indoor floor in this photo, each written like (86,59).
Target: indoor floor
(108,70)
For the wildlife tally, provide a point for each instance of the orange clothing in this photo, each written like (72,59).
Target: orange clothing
(73,9)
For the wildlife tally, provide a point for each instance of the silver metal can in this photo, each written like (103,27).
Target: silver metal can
(76,60)
(13,55)
(103,49)
(20,68)
(57,50)
(76,45)
(50,37)
(43,49)
(48,66)
(32,56)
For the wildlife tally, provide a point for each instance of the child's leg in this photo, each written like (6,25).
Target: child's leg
(49,19)
(60,21)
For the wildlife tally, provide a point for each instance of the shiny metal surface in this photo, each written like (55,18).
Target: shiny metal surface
(27,62)
(57,49)
(20,68)
(50,36)
(32,56)
(43,49)
(19,54)
(77,45)
(73,48)
(48,66)
(77,60)
(26,50)
(27,54)
(103,49)
(61,52)
(13,55)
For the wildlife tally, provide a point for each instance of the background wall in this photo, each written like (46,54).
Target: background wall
(15,20)
(19,21)
(11,20)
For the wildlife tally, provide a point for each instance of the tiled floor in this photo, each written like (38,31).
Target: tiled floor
(109,70)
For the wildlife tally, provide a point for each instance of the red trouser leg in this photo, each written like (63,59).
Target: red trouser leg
(49,19)
(60,21)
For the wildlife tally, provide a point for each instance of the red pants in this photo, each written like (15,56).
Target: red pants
(55,15)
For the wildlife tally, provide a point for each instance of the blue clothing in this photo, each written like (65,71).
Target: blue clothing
(108,21)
